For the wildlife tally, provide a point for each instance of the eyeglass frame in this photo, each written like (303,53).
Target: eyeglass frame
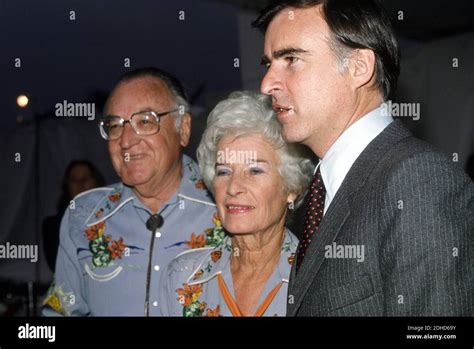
(129,121)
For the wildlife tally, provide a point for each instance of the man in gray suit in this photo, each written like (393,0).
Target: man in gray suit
(388,224)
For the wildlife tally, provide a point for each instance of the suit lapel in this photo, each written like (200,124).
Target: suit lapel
(338,212)
(330,227)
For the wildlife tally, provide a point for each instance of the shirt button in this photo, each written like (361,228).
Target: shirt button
(158,234)
(157,267)
(155,303)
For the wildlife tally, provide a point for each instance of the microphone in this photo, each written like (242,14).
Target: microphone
(154,222)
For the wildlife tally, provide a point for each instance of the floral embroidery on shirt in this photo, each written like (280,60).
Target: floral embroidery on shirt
(193,173)
(188,297)
(196,241)
(115,197)
(195,177)
(216,255)
(291,258)
(198,274)
(116,248)
(193,295)
(96,231)
(200,184)
(56,298)
(111,199)
(215,236)
(212,237)
(189,294)
(104,249)
(288,247)
(213,313)
(99,213)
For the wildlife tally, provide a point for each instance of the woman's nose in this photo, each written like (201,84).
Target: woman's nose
(236,186)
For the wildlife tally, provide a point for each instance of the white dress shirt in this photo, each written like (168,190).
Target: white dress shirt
(344,152)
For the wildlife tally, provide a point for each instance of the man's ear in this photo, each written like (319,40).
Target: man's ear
(362,67)
(185,130)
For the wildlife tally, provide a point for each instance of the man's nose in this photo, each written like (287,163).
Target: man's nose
(129,137)
(271,83)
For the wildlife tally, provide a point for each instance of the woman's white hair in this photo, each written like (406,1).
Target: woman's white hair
(249,113)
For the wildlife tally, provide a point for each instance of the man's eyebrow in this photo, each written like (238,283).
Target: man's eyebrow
(287,51)
(281,53)
(265,60)
(145,109)
(141,110)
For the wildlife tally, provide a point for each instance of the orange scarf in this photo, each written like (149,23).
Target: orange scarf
(232,304)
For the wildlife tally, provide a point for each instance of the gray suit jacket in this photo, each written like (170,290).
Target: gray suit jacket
(412,210)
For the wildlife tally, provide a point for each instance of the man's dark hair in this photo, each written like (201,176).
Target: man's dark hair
(173,84)
(354,24)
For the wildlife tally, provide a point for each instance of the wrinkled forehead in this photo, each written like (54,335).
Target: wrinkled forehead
(138,94)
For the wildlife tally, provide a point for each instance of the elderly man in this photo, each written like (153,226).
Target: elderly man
(116,241)
(389,221)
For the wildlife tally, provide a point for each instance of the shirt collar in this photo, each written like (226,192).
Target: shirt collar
(192,185)
(191,188)
(217,260)
(344,152)
(287,256)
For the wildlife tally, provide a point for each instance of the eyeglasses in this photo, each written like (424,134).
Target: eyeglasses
(145,123)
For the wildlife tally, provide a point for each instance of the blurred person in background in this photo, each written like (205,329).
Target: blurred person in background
(80,176)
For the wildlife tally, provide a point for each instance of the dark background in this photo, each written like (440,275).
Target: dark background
(79,61)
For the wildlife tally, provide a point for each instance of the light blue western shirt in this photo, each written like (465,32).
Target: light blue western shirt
(103,259)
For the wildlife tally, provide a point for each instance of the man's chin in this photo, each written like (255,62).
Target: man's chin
(291,137)
(134,181)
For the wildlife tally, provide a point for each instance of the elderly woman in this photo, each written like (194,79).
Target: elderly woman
(242,267)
